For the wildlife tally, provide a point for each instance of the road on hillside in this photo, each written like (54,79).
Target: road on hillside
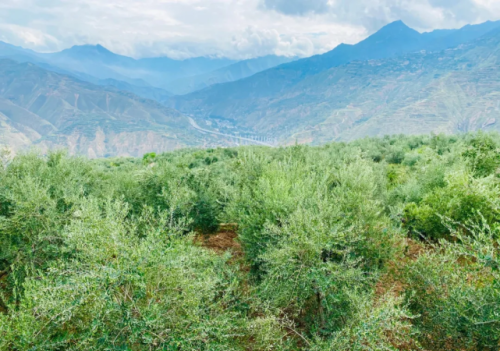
(196,126)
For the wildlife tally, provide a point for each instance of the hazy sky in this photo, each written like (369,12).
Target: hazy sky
(232,28)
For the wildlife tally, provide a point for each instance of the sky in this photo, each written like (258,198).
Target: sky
(236,29)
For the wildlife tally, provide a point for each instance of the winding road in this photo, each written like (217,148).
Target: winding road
(196,126)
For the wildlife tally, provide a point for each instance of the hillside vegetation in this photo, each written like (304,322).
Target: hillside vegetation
(378,244)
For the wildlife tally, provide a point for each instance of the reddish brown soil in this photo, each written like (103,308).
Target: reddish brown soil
(224,240)
(3,277)
(389,282)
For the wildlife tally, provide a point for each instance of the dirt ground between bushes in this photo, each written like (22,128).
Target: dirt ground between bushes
(390,282)
(224,240)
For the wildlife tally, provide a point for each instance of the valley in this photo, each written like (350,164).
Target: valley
(396,81)
(419,92)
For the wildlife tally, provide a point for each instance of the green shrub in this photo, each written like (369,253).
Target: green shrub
(149,158)
(455,291)
(109,254)
(123,292)
(463,200)
(483,153)
(386,326)
(396,156)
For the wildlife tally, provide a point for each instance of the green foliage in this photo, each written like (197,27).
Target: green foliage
(482,153)
(123,292)
(149,158)
(386,326)
(463,199)
(106,254)
(455,290)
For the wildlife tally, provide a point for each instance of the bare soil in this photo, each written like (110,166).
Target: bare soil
(390,282)
(222,241)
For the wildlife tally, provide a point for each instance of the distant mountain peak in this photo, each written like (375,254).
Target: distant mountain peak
(90,48)
(89,52)
(398,23)
(397,33)
(396,27)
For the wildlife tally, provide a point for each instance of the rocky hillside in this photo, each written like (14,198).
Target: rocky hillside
(372,88)
(52,110)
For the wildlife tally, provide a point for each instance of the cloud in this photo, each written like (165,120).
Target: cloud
(231,28)
(29,37)
(373,14)
(297,7)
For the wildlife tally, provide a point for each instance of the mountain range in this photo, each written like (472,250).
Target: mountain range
(49,110)
(100,104)
(161,76)
(332,96)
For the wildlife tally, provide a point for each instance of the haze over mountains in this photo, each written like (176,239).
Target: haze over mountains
(398,80)
(98,65)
